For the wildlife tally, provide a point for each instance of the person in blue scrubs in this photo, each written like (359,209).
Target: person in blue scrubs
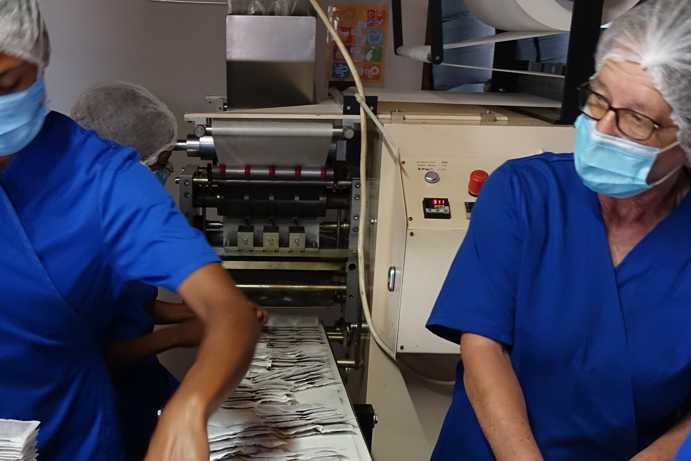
(130,115)
(570,295)
(79,218)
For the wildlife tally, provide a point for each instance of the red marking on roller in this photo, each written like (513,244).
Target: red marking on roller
(298,171)
(248,171)
(222,169)
(323,172)
(272,171)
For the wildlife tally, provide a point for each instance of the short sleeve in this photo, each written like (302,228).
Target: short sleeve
(146,237)
(684,453)
(478,295)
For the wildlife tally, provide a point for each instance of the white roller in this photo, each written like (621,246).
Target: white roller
(538,15)
(422,53)
(281,144)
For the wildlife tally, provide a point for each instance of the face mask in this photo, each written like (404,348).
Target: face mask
(613,166)
(21,117)
(162,174)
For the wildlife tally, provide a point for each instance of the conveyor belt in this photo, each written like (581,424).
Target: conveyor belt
(349,445)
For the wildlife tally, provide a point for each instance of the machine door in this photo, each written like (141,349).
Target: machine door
(429,254)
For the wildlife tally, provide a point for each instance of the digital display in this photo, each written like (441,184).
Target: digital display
(436,208)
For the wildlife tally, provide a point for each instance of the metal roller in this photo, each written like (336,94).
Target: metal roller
(291,287)
(250,172)
(274,129)
(203,147)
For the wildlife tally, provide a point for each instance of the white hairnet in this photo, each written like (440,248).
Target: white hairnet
(23,32)
(128,114)
(657,35)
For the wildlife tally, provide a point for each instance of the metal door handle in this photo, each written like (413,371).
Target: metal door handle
(391,279)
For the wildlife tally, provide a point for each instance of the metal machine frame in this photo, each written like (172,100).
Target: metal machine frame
(580,65)
(266,270)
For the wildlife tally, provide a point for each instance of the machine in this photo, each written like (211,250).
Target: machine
(276,195)
(423,201)
(277,192)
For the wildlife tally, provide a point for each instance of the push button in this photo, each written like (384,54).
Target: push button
(477,180)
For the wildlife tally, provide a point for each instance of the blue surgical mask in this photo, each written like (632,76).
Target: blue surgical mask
(21,117)
(613,166)
(162,174)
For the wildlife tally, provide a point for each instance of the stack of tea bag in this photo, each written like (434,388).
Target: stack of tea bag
(18,440)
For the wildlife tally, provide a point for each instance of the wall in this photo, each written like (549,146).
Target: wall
(177,51)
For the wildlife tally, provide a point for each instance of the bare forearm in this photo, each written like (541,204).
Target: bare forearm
(222,362)
(126,353)
(231,331)
(666,447)
(165,313)
(497,399)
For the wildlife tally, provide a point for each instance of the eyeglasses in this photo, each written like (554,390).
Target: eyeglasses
(632,124)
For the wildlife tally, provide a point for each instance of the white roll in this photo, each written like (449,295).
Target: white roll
(267,143)
(538,15)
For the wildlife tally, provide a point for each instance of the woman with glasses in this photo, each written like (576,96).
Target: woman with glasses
(570,297)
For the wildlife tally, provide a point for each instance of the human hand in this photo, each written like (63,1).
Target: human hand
(262,314)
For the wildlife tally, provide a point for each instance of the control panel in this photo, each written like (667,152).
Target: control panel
(436,208)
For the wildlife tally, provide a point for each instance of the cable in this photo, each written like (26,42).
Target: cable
(393,150)
(363,178)
(395,154)
(364,112)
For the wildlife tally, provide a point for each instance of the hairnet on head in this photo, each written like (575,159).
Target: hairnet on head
(23,32)
(128,114)
(657,35)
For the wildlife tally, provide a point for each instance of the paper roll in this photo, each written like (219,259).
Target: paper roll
(538,15)
(280,144)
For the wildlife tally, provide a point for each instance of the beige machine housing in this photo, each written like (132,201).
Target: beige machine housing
(410,255)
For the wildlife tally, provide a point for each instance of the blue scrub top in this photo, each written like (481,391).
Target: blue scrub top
(603,354)
(685,451)
(142,389)
(132,316)
(94,214)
